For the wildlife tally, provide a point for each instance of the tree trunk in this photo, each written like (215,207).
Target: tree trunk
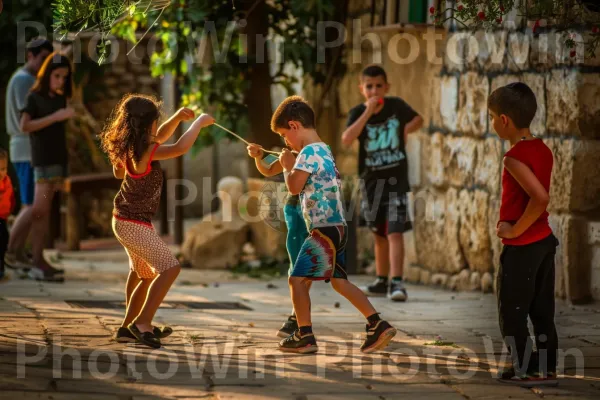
(258,97)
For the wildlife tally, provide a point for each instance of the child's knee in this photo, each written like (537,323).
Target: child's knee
(295,281)
(338,284)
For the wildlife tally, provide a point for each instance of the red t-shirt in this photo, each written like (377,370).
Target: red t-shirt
(538,157)
(7,197)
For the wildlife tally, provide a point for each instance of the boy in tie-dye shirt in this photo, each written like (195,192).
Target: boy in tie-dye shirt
(315,177)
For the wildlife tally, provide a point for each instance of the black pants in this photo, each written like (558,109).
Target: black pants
(3,242)
(526,289)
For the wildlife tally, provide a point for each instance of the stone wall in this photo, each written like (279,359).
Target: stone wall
(455,161)
(461,162)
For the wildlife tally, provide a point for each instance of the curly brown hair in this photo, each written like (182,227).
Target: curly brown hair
(293,108)
(127,134)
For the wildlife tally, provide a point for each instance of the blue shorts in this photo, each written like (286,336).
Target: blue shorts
(296,230)
(24,172)
(55,173)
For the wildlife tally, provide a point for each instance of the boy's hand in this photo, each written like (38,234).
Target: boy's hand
(287,160)
(254,150)
(373,103)
(505,230)
(185,114)
(205,120)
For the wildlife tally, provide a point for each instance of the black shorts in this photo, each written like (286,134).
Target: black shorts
(389,216)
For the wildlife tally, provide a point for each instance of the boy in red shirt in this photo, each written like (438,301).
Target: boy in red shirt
(526,275)
(7,203)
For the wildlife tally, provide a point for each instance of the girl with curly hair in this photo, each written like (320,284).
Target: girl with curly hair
(135,144)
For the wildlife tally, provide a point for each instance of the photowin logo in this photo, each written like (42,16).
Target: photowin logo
(271,203)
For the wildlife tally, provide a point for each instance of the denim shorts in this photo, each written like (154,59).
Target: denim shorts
(55,173)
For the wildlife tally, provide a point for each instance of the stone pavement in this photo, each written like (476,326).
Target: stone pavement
(51,349)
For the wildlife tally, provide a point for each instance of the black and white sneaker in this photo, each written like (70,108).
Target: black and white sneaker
(379,288)
(397,291)
(378,336)
(288,327)
(297,344)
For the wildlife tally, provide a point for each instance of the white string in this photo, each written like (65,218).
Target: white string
(243,140)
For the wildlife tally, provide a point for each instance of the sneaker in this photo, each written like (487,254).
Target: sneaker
(123,335)
(13,262)
(47,274)
(397,291)
(378,336)
(147,338)
(510,376)
(296,344)
(288,327)
(379,288)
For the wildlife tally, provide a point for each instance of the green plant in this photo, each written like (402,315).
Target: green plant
(559,15)
(235,84)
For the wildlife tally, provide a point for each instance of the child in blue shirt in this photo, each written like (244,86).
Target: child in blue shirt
(314,176)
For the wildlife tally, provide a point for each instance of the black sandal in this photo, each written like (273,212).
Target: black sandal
(147,338)
(162,332)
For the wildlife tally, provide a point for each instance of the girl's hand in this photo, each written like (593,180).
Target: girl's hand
(255,150)
(64,113)
(205,120)
(185,114)
(287,160)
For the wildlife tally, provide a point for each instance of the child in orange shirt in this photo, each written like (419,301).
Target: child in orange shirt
(7,203)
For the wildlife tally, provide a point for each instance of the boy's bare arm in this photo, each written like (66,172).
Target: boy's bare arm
(538,196)
(354,130)
(275,168)
(296,180)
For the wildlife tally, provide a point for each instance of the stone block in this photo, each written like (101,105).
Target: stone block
(425,277)
(439,279)
(573,258)
(435,93)
(412,273)
(474,230)
(410,249)
(473,113)
(433,158)
(573,106)
(414,154)
(594,243)
(495,241)
(486,50)
(459,159)
(489,165)
(456,48)
(537,84)
(437,221)
(487,283)
(463,281)
(475,281)
(575,184)
(518,51)
(449,102)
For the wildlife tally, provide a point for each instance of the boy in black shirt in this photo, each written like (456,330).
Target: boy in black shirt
(381,125)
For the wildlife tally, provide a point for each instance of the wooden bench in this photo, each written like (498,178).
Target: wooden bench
(76,185)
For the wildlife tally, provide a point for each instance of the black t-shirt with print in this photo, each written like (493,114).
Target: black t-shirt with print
(382,153)
(48,145)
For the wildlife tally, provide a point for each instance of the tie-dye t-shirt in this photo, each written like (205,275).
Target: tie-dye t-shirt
(321,199)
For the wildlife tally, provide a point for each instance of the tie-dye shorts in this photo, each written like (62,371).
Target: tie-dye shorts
(323,254)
